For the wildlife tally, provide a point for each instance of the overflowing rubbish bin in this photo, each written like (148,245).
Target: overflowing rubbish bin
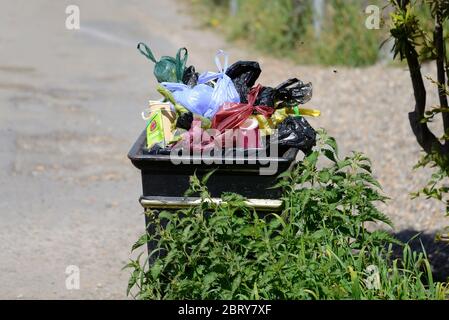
(223,121)
(166,181)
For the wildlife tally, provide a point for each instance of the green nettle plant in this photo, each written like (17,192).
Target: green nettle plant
(416,41)
(318,247)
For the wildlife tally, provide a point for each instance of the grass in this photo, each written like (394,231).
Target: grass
(318,247)
(284,28)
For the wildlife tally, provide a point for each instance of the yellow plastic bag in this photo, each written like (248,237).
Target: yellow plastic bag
(266,126)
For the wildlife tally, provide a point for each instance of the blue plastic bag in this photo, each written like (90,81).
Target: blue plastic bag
(195,99)
(224,89)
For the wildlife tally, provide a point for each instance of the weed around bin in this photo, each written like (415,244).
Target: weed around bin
(316,248)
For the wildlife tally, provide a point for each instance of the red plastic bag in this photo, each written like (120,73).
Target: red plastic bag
(232,115)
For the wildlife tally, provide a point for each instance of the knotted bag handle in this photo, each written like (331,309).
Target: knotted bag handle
(181,61)
(235,120)
(288,83)
(266,111)
(209,76)
(147,53)
(253,94)
(221,68)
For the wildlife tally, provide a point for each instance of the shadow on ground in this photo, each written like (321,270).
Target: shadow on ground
(437,251)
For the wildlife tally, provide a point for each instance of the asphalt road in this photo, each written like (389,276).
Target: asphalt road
(70,103)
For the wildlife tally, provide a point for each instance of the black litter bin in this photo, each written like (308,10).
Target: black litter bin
(161,178)
(164,183)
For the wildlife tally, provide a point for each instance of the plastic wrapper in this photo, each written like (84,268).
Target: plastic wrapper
(160,118)
(232,115)
(224,89)
(167,69)
(190,76)
(295,132)
(244,75)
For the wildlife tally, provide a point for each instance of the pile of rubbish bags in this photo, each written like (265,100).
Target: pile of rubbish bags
(226,108)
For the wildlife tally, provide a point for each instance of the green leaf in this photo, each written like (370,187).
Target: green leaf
(333,144)
(324,176)
(210,278)
(142,240)
(344,163)
(330,155)
(165,215)
(156,269)
(206,177)
(236,283)
(366,167)
(312,158)
(368,178)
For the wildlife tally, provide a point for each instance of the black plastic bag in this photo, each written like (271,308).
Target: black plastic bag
(185,120)
(296,132)
(266,97)
(293,92)
(190,76)
(244,75)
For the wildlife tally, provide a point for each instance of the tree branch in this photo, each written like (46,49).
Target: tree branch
(440,62)
(424,136)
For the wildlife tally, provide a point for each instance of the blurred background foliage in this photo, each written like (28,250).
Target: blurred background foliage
(288,28)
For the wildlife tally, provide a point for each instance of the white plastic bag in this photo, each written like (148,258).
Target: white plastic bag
(224,89)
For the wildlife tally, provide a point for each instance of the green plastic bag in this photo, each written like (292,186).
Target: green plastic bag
(167,69)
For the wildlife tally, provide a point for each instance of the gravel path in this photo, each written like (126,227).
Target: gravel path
(71,103)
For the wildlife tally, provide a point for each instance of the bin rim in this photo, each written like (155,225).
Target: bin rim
(136,155)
